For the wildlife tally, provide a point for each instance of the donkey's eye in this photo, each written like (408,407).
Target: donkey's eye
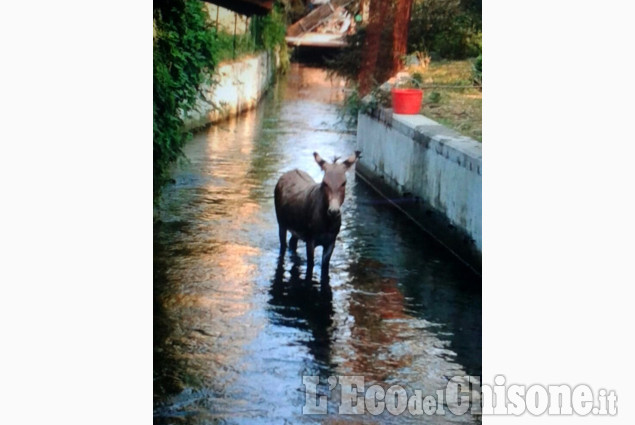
(343,184)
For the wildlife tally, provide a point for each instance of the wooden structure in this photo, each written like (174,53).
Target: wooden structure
(245,7)
(302,33)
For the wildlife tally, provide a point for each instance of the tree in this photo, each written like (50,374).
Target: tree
(386,41)
(403,9)
(378,11)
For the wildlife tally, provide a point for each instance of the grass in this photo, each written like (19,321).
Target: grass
(457,108)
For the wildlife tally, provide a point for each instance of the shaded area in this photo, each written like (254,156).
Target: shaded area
(236,326)
(245,7)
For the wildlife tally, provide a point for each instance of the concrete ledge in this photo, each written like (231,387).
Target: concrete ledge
(235,87)
(414,157)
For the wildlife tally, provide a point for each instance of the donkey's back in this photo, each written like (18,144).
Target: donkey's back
(291,200)
(293,184)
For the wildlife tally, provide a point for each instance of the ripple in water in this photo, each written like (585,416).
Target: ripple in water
(236,327)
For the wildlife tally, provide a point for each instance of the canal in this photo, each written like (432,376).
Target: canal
(236,327)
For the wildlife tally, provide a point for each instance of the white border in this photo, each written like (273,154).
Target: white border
(76,303)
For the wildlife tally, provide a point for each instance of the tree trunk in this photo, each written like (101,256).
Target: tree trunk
(403,9)
(378,12)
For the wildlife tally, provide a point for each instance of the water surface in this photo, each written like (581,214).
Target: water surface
(236,326)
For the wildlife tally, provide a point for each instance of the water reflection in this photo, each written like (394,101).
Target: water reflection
(236,325)
(304,83)
(303,304)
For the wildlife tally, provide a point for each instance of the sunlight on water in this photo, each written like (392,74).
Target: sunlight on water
(236,327)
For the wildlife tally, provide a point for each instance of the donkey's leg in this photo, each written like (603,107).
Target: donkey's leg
(310,248)
(293,243)
(282,233)
(326,259)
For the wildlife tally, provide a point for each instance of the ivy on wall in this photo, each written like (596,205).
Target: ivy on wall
(186,49)
(183,54)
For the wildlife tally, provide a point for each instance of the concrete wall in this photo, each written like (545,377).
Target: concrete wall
(236,86)
(411,157)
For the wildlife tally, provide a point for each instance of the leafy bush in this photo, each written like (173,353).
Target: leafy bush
(269,32)
(244,45)
(270,29)
(459,39)
(477,71)
(183,49)
(435,97)
(348,62)
(446,28)
(265,33)
(186,49)
(353,105)
(349,109)
(417,77)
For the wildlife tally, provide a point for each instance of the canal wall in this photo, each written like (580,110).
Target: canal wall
(429,172)
(235,87)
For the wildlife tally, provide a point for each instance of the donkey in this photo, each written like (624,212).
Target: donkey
(310,210)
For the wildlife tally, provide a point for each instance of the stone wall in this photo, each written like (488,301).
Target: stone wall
(236,86)
(434,172)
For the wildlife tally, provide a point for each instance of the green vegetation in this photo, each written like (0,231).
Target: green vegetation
(450,97)
(265,33)
(448,102)
(183,53)
(186,50)
(269,30)
(440,32)
(448,29)
(434,97)
(245,45)
(477,71)
(347,63)
(353,104)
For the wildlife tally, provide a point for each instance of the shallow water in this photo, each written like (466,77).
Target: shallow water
(236,327)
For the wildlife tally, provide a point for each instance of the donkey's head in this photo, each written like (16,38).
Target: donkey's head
(334,181)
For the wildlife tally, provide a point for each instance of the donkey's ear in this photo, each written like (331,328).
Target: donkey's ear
(322,163)
(352,159)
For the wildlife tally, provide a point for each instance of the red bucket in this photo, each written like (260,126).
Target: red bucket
(406,101)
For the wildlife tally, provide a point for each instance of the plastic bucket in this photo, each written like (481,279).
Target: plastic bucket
(406,101)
